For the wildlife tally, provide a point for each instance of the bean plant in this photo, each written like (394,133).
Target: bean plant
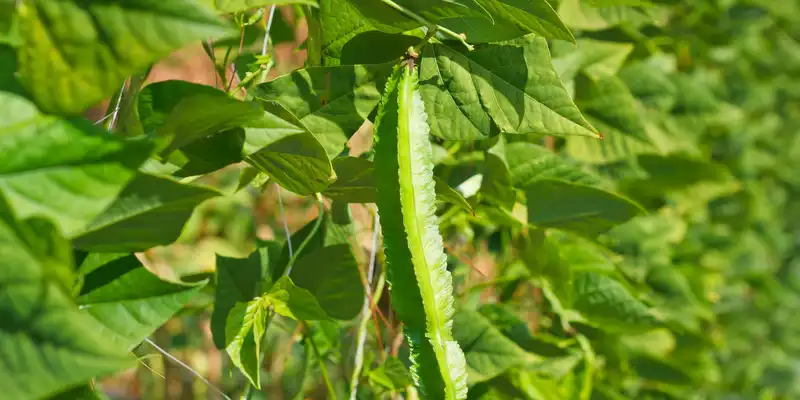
(627,167)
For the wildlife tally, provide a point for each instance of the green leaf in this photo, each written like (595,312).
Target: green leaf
(295,302)
(650,84)
(355,181)
(362,31)
(246,323)
(245,328)
(298,163)
(607,304)
(489,353)
(391,375)
(184,124)
(473,96)
(595,59)
(129,302)
(447,194)
(421,286)
(150,212)
(47,345)
(85,392)
(63,169)
(331,102)
(236,6)
(581,209)
(528,162)
(541,256)
(609,106)
(653,369)
(238,281)
(74,54)
(8,68)
(496,186)
(331,275)
(509,19)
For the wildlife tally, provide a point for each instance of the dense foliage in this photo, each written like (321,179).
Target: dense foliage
(626,166)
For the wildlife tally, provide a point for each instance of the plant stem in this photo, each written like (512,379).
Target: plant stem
(310,340)
(588,374)
(307,239)
(365,311)
(416,17)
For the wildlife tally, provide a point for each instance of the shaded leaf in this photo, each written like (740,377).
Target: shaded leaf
(331,102)
(63,169)
(355,181)
(331,275)
(607,304)
(392,375)
(298,163)
(582,209)
(447,194)
(47,345)
(74,54)
(150,212)
(129,302)
(528,162)
(296,302)
(489,353)
(238,281)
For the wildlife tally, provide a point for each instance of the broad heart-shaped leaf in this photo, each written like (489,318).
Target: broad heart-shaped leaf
(298,163)
(578,208)
(528,162)
(63,169)
(47,345)
(238,281)
(391,375)
(331,102)
(74,54)
(508,86)
(489,353)
(150,212)
(331,275)
(235,6)
(129,302)
(606,303)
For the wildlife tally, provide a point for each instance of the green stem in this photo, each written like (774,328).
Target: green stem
(321,362)
(588,374)
(308,237)
(416,17)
